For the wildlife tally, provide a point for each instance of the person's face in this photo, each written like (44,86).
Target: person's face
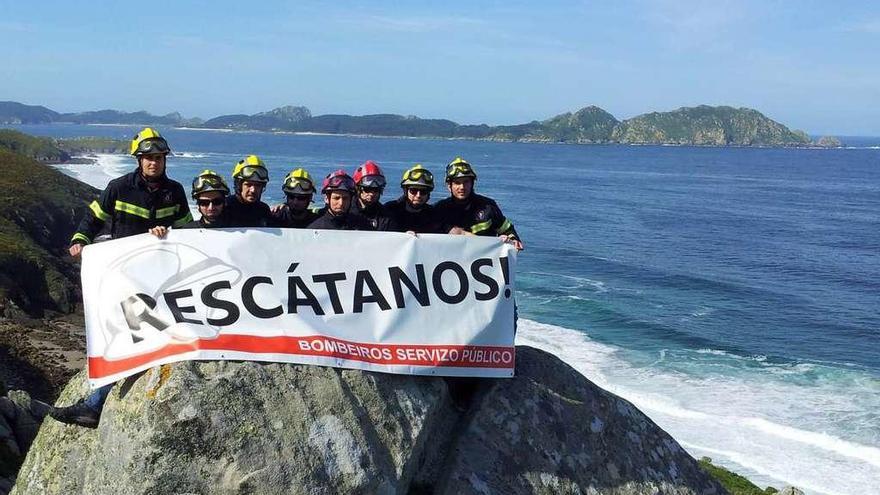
(211,205)
(369,195)
(152,165)
(298,202)
(338,201)
(251,191)
(461,188)
(417,196)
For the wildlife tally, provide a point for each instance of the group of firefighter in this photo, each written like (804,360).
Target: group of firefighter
(147,200)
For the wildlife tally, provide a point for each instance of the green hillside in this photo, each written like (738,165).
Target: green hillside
(39,209)
(705,125)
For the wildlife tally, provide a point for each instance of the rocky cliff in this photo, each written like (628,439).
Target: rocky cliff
(39,209)
(705,125)
(229,427)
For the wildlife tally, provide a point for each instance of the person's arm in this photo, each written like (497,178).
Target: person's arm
(159,231)
(183,216)
(100,211)
(505,230)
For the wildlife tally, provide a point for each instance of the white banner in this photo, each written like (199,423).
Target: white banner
(380,301)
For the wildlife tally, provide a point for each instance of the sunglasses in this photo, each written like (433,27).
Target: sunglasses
(418,191)
(299,197)
(204,203)
(371,189)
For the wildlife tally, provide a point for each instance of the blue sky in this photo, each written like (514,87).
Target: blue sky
(811,65)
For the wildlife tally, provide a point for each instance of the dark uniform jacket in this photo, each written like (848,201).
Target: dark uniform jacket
(200,224)
(347,221)
(423,221)
(131,208)
(376,216)
(240,214)
(478,214)
(287,220)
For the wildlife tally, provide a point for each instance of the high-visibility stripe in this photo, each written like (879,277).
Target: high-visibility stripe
(80,237)
(183,221)
(479,227)
(100,213)
(132,209)
(166,212)
(504,227)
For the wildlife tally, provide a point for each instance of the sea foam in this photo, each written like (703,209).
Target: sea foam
(755,422)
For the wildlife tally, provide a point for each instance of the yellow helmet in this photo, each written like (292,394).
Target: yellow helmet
(459,168)
(418,176)
(251,169)
(298,182)
(208,181)
(147,142)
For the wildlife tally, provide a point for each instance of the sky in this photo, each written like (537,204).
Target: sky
(808,64)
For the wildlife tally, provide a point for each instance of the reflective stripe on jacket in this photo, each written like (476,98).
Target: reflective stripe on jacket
(478,214)
(132,208)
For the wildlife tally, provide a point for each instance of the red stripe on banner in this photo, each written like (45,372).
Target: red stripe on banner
(455,356)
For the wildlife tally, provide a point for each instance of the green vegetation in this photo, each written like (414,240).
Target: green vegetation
(705,125)
(38,148)
(48,150)
(78,146)
(39,209)
(587,125)
(732,482)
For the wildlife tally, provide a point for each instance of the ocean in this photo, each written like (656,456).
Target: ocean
(732,294)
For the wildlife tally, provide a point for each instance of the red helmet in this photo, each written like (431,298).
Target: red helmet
(337,181)
(369,175)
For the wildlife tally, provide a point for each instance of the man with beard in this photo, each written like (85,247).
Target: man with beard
(472,212)
(244,208)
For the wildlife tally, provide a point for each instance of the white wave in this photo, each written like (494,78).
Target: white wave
(187,154)
(98,174)
(870,455)
(757,421)
(716,352)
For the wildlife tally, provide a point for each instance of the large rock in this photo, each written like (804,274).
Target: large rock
(228,427)
(17,431)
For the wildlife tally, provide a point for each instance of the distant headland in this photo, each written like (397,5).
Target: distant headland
(695,126)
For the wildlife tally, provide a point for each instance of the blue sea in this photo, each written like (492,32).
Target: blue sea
(732,294)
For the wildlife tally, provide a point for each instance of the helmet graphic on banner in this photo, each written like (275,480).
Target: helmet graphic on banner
(132,314)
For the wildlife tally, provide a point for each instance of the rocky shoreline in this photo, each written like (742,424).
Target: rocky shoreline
(42,346)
